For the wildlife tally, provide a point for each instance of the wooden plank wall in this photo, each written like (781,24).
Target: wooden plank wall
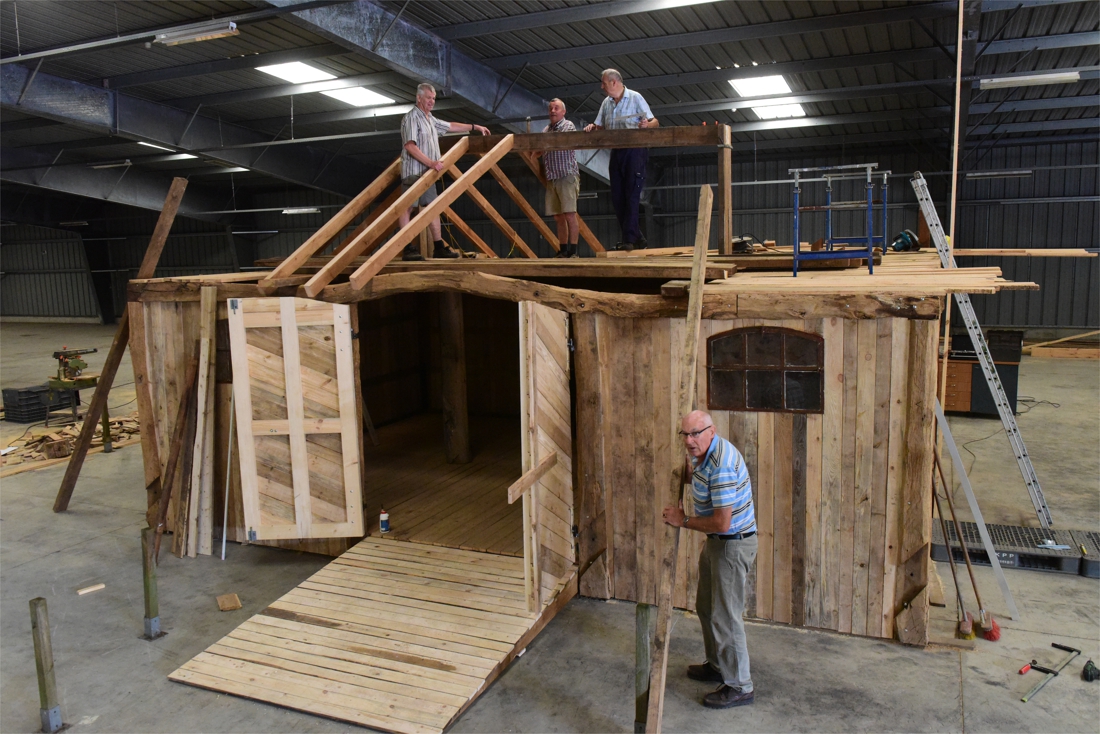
(840,495)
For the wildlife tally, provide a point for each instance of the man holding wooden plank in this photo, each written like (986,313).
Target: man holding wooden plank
(420,154)
(722,493)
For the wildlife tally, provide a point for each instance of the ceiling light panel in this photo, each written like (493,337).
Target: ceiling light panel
(296,72)
(358,97)
(764,86)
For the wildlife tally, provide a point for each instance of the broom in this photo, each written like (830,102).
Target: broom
(965,630)
(989,627)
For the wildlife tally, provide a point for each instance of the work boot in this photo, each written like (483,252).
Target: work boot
(563,251)
(443,252)
(572,250)
(625,247)
(412,253)
(705,672)
(641,244)
(725,697)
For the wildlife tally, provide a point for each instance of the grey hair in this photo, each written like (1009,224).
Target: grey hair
(613,73)
(423,88)
(555,99)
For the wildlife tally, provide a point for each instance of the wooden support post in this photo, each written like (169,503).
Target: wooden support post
(645,622)
(118,348)
(105,426)
(149,581)
(685,403)
(725,192)
(49,705)
(456,425)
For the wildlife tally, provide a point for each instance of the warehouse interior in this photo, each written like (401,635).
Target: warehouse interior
(279,113)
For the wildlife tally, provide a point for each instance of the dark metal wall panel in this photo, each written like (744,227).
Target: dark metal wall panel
(45,273)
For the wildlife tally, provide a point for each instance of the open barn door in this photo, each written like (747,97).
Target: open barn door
(297,426)
(546,412)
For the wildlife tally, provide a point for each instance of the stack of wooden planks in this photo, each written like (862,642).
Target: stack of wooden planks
(392,635)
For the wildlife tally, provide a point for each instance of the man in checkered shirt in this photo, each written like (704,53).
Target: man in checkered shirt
(419,155)
(563,182)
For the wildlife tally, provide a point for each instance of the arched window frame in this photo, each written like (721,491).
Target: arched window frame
(758,361)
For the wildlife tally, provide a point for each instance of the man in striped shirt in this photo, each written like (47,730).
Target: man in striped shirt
(563,182)
(420,154)
(722,493)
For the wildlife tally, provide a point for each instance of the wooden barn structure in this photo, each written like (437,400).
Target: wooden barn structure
(515,418)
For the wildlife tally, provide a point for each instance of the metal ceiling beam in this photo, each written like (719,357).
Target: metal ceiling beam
(111,112)
(1083,123)
(726,35)
(358,113)
(149,34)
(575,14)
(379,35)
(223,65)
(284,90)
(992,6)
(130,185)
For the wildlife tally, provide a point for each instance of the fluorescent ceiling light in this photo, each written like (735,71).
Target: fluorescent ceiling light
(302,210)
(158,147)
(80,223)
(1030,80)
(198,32)
(358,97)
(182,156)
(296,72)
(111,164)
(763,86)
(998,174)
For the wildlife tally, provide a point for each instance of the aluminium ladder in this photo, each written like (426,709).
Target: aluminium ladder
(996,389)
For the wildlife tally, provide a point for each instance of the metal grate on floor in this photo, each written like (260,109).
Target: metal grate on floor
(1016,547)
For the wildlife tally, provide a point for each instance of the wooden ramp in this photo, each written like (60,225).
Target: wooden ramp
(391,635)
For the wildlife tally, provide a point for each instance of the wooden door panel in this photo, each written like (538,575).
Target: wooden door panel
(298,435)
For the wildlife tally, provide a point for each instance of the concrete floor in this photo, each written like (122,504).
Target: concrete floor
(578,675)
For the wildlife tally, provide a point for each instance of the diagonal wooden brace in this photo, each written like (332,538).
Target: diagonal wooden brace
(494,216)
(384,221)
(468,231)
(333,227)
(524,206)
(583,229)
(405,235)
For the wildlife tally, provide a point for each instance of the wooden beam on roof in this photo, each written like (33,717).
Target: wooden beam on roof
(381,224)
(334,226)
(405,235)
(661,137)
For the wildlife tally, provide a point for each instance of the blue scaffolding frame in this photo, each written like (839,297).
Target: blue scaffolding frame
(828,174)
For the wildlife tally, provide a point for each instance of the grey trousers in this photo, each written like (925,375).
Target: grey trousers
(720,604)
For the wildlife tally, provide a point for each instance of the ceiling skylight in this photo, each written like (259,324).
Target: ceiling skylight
(766,86)
(296,72)
(358,97)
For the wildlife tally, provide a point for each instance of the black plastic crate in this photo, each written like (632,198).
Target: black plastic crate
(1005,345)
(1016,547)
(30,404)
(1090,562)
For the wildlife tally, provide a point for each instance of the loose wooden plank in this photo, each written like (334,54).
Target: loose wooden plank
(813,591)
(899,360)
(765,517)
(880,459)
(848,478)
(831,472)
(798,519)
(866,349)
(782,514)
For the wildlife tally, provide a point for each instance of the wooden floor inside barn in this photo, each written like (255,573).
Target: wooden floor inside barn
(455,505)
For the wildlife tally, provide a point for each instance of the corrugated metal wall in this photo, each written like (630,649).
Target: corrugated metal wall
(45,274)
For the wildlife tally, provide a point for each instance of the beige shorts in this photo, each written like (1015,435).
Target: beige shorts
(427,197)
(561,195)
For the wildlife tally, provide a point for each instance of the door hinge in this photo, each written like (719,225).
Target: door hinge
(234,304)
(576,531)
(354,334)
(569,343)
(251,535)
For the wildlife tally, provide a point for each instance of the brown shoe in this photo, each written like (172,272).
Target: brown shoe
(726,697)
(705,672)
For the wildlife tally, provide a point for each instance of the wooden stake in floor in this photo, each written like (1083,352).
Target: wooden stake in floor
(50,707)
(645,620)
(98,405)
(149,579)
(685,404)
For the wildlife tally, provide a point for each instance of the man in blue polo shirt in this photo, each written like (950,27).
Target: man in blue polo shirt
(625,109)
(722,494)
